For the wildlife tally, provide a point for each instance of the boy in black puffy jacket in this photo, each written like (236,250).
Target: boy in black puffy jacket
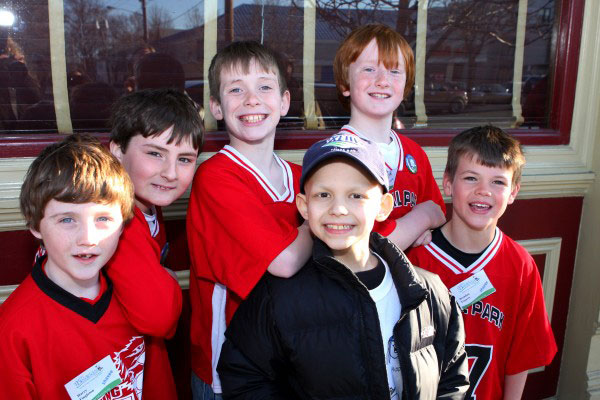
(358,321)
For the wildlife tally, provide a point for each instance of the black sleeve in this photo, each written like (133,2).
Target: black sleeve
(454,373)
(252,365)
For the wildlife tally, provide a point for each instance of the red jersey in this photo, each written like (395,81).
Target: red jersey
(150,297)
(410,176)
(237,223)
(508,331)
(50,337)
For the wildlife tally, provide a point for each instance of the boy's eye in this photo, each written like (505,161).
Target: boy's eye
(234,90)
(357,196)
(65,220)
(470,178)
(104,219)
(368,69)
(154,153)
(265,88)
(397,72)
(499,182)
(185,160)
(322,195)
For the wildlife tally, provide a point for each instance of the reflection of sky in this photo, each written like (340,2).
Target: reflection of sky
(177,10)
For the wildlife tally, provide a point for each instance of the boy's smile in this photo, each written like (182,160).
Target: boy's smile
(160,171)
(480,195)
(341,205)
(375,91)
(79,240)
(251,103)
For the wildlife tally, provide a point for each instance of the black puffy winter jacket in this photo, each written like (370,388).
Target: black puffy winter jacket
(317,335)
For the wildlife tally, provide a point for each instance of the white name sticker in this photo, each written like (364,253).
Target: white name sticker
(472,289)
(94,382)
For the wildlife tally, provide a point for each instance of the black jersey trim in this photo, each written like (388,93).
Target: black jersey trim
(465,259)
(91,312)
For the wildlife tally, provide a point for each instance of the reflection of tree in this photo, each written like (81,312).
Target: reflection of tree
(194,18)
(346,15)
(158,22)
(86,27)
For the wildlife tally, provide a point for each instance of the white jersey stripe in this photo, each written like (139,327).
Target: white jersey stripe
(238,158)
(477,265)
(444,258)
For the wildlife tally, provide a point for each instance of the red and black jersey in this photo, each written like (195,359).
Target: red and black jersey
(50,336)
(413,183)
(508,331)
(237,223)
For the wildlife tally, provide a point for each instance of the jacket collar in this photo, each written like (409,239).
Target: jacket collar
(411,288)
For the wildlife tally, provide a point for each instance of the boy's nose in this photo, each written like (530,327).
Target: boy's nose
(251,99)
(88,235)
(338,208)
(381,79)
(169,172)
(483,189)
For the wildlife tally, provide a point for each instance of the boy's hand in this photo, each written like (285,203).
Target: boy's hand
(422,240)
(432,211)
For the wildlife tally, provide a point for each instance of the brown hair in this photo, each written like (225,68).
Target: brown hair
(491,146)
(388,43)
(76,170)
(240,55)
(150,112)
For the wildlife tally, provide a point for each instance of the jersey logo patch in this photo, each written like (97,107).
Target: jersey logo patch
(411,164)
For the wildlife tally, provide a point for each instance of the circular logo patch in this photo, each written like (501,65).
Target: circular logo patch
(411,163)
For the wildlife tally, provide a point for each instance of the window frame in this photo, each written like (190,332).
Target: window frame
(565,66)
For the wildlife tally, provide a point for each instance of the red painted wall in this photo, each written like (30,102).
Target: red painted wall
(525,219)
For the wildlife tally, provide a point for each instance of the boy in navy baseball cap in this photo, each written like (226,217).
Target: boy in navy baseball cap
(358,320)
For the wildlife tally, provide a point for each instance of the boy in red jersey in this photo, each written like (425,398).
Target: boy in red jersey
(64,334)
(242,220)
(494,279)
(374,70)
(156,134)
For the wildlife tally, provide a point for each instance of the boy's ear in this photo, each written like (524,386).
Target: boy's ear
(447,185)
(215,108)
(35,233)
(302,205)
(513,192)
(285,103)
(385,208)
(346,92)
(116,151)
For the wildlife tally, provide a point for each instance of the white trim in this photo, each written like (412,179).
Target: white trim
(593,384)
(420,58)
(210,49)
(518,64)
(58,65)
(308,65)
(550,247)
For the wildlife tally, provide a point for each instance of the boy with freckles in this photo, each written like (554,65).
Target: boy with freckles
(374,70)
(358,321)
(241,219)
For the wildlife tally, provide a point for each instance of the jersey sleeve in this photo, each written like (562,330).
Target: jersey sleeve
(533,342)
(150,298)
(233,235)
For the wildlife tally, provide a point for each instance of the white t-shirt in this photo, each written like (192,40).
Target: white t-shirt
(388,306)
(152,222)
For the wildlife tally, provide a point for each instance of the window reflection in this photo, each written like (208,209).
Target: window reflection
(116,46)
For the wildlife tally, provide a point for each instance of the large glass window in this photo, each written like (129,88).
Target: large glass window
(477,61)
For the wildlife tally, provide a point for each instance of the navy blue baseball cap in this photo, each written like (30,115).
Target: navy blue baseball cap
(364,152)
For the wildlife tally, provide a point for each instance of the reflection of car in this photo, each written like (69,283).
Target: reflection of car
(491,93)
(437,97)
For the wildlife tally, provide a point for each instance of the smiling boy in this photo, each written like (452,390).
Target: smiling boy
(156,135)
(358,321)
(374,70)
(507,330)
(241,219)
(64,319)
